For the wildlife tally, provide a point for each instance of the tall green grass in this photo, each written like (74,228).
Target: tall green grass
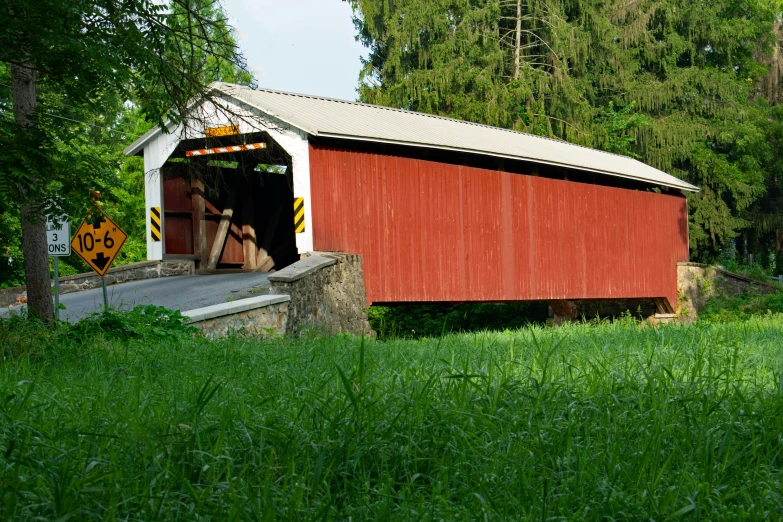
(613,421)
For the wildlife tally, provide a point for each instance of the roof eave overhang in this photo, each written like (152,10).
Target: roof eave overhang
(138,146)
(271,114)
(685,187)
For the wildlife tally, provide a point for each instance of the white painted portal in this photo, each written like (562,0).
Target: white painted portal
(156,152)
(218,112)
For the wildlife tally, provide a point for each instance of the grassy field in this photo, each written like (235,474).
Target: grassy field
(614,421)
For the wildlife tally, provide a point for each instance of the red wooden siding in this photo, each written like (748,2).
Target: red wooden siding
(432,231)
(177,214)
(178,217)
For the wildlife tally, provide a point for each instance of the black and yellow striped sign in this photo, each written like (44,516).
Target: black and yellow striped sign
(299,221)
(155,223)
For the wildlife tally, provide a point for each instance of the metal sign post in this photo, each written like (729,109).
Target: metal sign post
(57,288)
(105,295)
(58,238)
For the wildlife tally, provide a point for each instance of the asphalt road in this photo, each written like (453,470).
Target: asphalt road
(178,293)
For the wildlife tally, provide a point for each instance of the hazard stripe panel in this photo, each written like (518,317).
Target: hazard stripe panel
(221,150)
(299,221)
(155,223)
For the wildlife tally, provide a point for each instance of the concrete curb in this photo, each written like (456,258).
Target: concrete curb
(302,269)
(234,307)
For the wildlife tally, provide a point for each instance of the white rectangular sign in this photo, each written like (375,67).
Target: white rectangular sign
(58,238)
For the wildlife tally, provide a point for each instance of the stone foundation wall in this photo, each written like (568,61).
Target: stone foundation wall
(267,321)
(120,274)
(323,291)
(699,283)
(327,294)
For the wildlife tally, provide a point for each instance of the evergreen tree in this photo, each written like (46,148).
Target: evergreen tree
(440,57)
(691,68)
(674,83)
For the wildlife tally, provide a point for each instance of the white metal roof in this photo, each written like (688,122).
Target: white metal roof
(349,120)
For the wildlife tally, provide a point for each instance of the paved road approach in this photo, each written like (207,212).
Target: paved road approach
(178,293)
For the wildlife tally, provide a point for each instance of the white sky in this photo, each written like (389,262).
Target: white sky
(302,46)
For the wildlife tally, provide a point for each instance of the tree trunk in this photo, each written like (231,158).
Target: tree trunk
(36,253)
(517,49)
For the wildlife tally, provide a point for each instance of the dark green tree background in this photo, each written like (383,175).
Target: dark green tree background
(688,87)
(79,80)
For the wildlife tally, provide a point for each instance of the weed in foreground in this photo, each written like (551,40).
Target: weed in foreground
(148,321)
(579,423)
(28,338)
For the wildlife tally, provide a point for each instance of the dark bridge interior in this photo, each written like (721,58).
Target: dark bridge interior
(230,211)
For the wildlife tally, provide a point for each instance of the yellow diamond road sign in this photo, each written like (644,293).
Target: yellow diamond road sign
(98,241)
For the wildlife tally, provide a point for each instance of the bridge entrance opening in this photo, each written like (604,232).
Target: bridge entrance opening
(229,207)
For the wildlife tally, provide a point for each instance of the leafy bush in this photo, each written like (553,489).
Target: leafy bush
(740,307)
(24,336)
(146,321)
(415,321)
(11,260)
(759,271)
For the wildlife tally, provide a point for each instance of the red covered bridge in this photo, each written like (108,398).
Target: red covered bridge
(440,209)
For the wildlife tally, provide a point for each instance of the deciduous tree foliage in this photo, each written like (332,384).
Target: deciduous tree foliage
(93,56)
(687,87)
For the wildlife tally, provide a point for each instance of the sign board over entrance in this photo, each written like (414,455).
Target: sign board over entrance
(58,238)
(98,241)
(216,132)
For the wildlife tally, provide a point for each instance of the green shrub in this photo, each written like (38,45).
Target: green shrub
(146,321)
(741,307)
(24,336)
(11,259)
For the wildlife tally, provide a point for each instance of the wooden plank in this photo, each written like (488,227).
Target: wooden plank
(213,210)
(663,305)
(199,227)
(269,263)
(249,243)
(222,231)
